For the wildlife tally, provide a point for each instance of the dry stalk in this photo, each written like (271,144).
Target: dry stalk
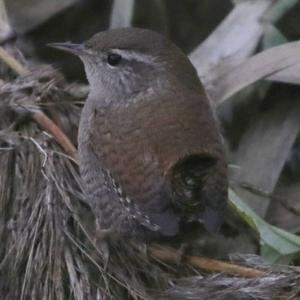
(50,127)
(12,63)
(171,255)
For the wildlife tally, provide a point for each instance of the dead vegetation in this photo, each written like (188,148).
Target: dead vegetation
(48,247)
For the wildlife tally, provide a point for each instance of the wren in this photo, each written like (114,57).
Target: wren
(151,154)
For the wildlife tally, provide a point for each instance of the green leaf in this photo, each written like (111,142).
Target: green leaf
(276,244)
(280,9)
(273,37)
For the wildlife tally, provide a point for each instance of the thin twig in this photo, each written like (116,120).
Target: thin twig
(256,190)
(171,255)
(45,122)
(48,125)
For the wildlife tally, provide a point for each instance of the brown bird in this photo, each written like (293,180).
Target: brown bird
(150,151)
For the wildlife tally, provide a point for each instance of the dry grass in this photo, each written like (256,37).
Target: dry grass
(48,248)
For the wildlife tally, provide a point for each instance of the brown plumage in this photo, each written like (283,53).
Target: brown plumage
(150,151)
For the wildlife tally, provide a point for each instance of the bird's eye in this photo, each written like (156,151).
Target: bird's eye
(113,59)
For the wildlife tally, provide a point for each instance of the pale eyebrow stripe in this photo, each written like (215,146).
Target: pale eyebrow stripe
(132,55)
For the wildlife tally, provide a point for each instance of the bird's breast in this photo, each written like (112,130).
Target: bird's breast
(141,142)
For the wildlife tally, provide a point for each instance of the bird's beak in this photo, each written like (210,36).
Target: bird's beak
(76,49)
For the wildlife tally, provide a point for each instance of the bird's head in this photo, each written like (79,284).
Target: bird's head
(123,62)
